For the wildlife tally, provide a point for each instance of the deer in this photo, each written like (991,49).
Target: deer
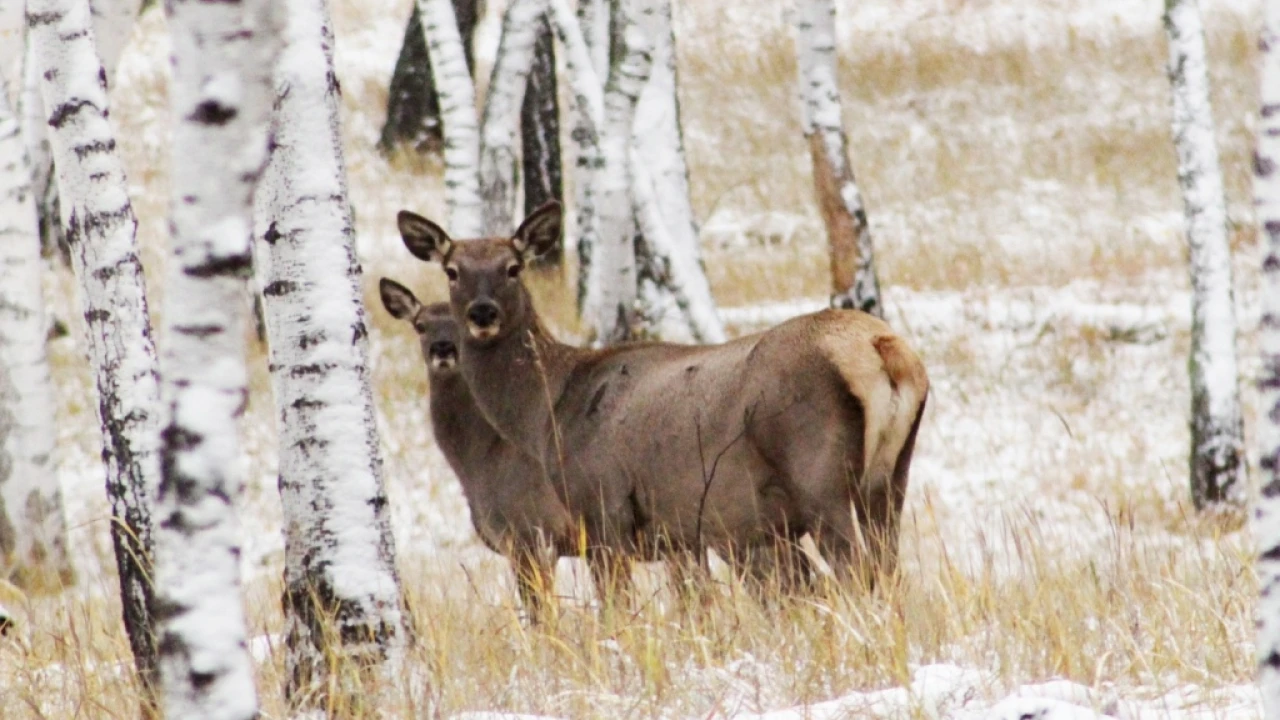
(660,448)
(514,510)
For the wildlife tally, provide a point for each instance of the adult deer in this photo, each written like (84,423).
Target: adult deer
(663,447)
(513,508)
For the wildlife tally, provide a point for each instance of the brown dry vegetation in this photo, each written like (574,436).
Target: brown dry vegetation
(1047,533)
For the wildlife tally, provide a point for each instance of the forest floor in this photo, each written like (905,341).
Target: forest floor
(1020,179)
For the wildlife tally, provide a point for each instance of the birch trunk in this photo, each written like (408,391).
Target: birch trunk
(113,22)
(502,114)
(35,135)
(659,140)
(340,576)
(610,308)
(586,45)
(540,133)
(33,531)
(853,276)
(100,229)
(1266,513)
(221,95)
(413,111)
(458,114)
(1217,437)
(671,279)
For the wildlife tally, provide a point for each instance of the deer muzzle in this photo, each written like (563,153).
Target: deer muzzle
(483,319)
(443,354)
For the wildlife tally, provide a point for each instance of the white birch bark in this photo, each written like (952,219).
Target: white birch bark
(35,135)
(679,281)
(587,93)
(1217,437)
(33,531)
(853,277)
(101,232)
(113,22)
(1266,513)
(457,97)
(520,26)
(221,95)
(339,550)
(663,172)
(610,308)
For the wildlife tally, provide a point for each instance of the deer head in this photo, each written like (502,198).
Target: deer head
(484,274)
(437,331)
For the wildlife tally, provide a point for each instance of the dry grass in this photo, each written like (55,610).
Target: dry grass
(1046,533)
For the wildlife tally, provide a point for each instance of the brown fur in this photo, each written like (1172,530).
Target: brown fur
(513,508)
(659,447)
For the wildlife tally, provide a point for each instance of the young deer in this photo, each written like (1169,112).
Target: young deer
(513,508)
(805,428)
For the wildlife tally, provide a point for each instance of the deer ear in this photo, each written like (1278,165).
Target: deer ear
(397,299)
(425,239)
(539,232)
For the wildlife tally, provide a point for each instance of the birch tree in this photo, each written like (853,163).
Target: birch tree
(853,276)
(339,550)
(584,75)
(1266,514)
(540,132)
(502,108)
(101,232)
(413,111)
(674,282)
(33,532)
(113,22)
(457,112)
(221,94)
(610,308)
(664,174)
(1217,436)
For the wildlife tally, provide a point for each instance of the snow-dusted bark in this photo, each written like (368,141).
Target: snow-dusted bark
(1217,437)
(610,308)
(35,135)
(100,229)
(853,276)
(675,283)
(113,22)
(659,141)
(502,105)
(587,92)
(33,532)
(221,94)
(540,133)
(458,114)
(1266,513)
(413,111)
(339,550)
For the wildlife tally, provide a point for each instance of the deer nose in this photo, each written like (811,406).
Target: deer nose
(442,349)
(482,314)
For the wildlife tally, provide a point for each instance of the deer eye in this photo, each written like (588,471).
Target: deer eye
(513,270)
(452,273)
(421,328)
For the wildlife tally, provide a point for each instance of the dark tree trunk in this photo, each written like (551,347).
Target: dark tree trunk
(413,110)
(540,133)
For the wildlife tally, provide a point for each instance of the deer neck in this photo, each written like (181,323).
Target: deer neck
(517,380)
